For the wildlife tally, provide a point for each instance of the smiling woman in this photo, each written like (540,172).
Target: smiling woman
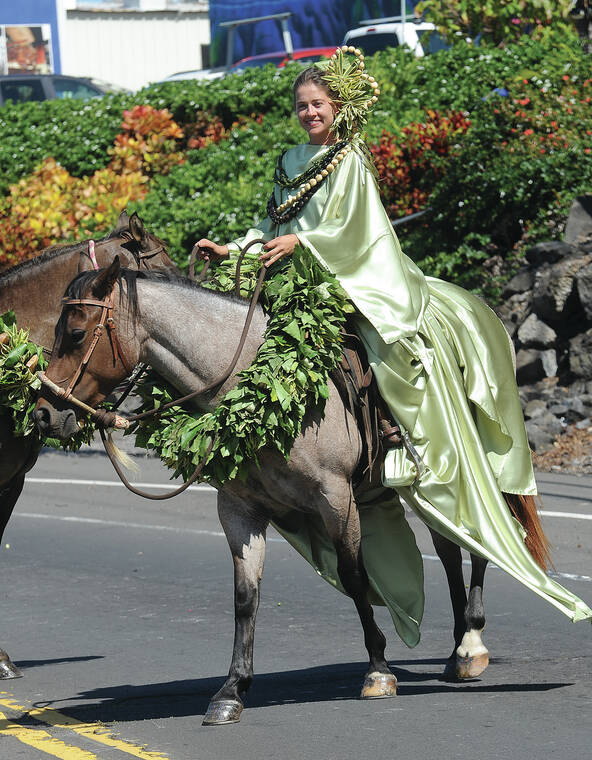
(316,113)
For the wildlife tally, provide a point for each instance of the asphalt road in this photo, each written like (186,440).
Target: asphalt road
(119,612)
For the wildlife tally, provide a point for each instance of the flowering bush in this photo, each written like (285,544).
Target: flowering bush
(148,144)
(516,172)
(51,205)
(409,165)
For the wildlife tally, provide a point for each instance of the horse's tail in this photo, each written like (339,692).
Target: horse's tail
(524,509)
(119,455)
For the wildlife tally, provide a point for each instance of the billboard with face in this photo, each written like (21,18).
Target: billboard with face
(313,23)
(26,48)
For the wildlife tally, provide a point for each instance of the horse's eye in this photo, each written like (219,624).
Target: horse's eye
(77,336)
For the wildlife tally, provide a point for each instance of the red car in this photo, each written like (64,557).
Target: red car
(281,58)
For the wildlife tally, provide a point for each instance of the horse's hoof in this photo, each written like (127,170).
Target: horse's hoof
(471,666)
(378,686)
(9,670)
(449,673)
(223,711)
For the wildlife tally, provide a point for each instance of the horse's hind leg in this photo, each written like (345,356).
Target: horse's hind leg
(469,657)
(246,537)
(472,656)
(451,558)
(343,526)
(8,498)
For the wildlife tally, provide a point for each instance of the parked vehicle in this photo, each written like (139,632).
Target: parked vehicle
(24,88)
(281,58)
(215,73)
(377,34)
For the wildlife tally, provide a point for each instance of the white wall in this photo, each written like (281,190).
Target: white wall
(133,48)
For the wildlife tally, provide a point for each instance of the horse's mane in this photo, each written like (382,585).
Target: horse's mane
(83,282)
(61,249)
(49,253)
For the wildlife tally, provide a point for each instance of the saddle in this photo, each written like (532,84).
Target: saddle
(359,392)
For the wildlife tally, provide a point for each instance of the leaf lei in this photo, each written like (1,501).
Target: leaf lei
(20,359)
(306,308)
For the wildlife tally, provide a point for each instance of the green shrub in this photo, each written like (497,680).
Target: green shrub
(514,176)
(264,90)
(497,21)
(75,133)
(491,190)
(459,78)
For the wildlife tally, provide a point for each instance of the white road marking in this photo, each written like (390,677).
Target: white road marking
(220,534)
(121,524)
(569,515)
(114,484)
(206,488)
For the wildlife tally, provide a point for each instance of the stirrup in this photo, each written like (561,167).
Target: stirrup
(389,434)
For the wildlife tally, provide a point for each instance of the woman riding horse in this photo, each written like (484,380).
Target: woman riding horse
(441,357)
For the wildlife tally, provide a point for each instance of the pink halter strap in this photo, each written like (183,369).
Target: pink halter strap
(91,253)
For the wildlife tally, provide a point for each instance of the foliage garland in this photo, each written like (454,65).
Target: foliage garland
(306,307)
(19,359)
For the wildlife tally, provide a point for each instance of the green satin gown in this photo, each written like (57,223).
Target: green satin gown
(443,363)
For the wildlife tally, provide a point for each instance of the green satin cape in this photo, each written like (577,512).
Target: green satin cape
(443,363)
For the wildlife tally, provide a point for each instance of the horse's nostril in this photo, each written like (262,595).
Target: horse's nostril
(42,418)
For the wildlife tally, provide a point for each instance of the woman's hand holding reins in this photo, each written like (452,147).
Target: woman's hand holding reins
(205,249)
(279,247)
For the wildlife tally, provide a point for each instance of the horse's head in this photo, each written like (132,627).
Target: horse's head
(136,248)
(93,350)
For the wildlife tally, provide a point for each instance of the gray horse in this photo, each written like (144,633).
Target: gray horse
(316,482)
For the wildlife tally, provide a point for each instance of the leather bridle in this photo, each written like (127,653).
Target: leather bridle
(105,321)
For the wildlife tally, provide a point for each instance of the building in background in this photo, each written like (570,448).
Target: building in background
(134,42)
(128,42)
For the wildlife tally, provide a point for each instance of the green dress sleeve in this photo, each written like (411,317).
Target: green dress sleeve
(265,230)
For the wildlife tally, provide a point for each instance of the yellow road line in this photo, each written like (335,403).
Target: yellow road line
(43,741)
(94,731)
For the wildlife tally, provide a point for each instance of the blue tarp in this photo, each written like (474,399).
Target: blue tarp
(314,23)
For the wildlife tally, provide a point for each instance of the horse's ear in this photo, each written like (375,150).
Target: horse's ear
(122,222)
(106,280)
(136,226)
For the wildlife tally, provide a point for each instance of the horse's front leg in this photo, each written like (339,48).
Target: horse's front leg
(9,494)
(472,656)
(342,520)
(245,532)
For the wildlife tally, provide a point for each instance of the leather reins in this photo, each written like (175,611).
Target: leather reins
(106,419)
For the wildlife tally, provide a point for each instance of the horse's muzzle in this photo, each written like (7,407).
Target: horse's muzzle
(53,423)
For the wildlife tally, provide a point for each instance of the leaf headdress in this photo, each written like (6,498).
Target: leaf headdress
(356,91)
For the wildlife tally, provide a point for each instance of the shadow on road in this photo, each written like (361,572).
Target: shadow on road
(24,664)
(327,683)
